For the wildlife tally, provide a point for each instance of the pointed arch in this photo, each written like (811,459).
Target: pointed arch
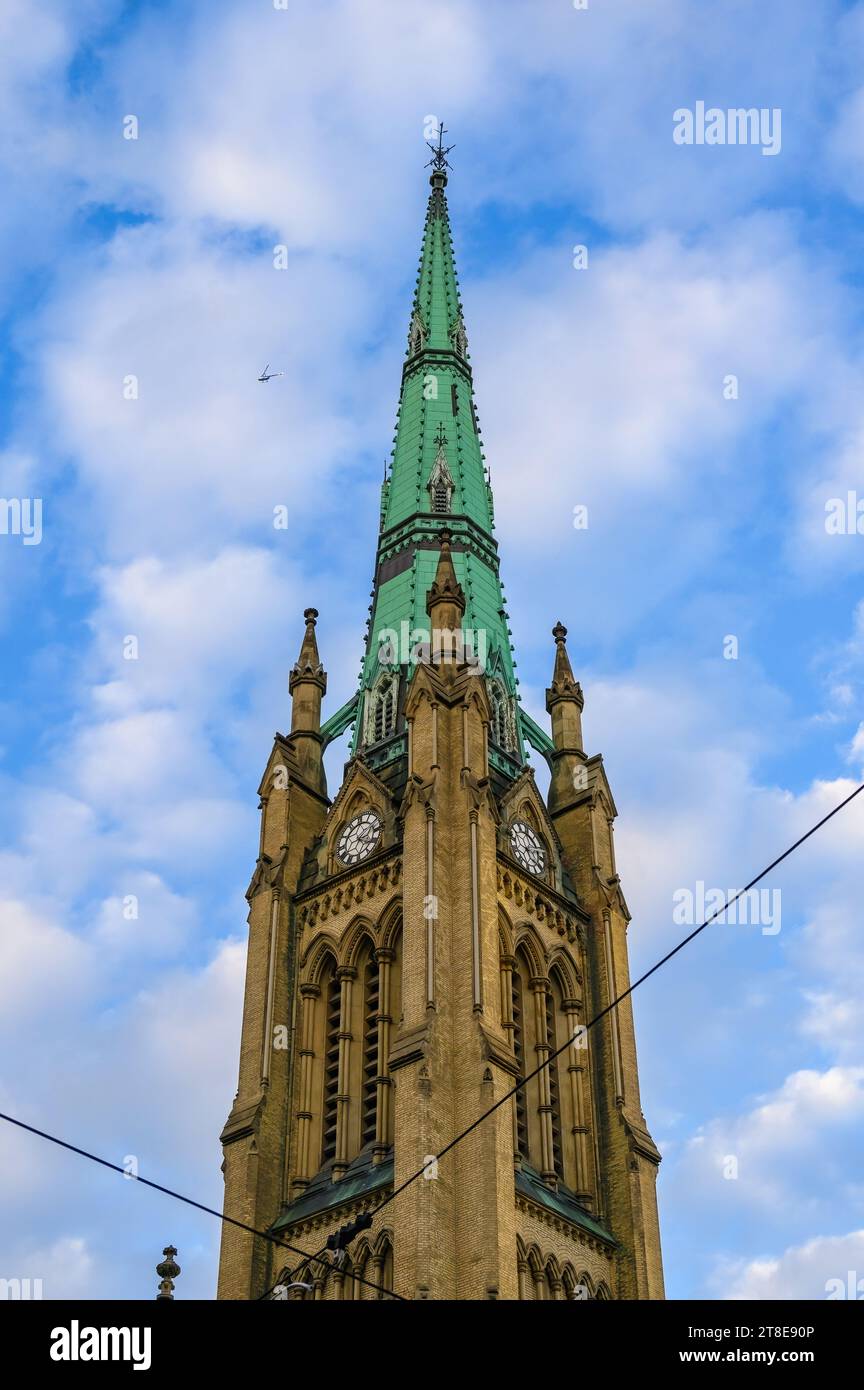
(315,957)
(568,1280)
(390,922)
(358,928)
(562,965)
(505,932)
(585,1286)
(383,1262)
(362,1262)
(382,701)
(552,1271)
(537,1273)
(502,727)
(527,939)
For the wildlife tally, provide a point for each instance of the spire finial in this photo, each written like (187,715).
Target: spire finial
(439,161)
(308,665)
(167,1269)
(564,683)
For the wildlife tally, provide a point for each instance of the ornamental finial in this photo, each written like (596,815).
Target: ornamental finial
(439,162)
(167,1269)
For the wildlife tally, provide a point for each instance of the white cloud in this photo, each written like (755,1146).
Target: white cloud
(42,966)
(813,1121)
(818,1269)
(65,1268)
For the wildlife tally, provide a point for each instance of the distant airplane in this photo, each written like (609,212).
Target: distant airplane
(268,376)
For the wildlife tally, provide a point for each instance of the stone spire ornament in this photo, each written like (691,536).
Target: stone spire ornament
(564,683)
(168,1270)
(307,685)
(445,602)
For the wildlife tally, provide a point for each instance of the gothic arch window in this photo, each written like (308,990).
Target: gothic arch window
(550,1110)
(557,1151)
(501,725)
(363,1052)
(526,1042)
(440,498)
(325,1043)
(385,1264)
(554,1287)
(561,1029)
(381,722)
(517,1014)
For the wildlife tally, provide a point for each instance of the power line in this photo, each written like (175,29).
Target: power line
(190,1202)
(615,1002)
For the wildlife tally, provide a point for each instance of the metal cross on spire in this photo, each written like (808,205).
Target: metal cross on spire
(439,152)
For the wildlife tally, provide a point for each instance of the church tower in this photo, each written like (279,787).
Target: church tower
(437,931)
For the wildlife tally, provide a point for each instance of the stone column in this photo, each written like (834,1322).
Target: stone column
(310,994)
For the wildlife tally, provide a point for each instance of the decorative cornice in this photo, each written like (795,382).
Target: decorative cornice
(568,1228)
(354,885)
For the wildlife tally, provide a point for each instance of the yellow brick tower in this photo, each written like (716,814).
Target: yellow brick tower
(437,932)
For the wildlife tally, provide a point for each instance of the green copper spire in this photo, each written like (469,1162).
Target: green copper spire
(437,479)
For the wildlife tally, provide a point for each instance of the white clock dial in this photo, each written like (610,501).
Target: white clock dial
(359,838)
(527,847)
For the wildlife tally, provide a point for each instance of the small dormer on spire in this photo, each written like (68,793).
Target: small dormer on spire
(441,484)
(416,334)
(459,338)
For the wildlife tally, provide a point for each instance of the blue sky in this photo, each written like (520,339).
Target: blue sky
(153,257)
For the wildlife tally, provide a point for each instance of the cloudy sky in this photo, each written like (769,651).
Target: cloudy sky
(609,387)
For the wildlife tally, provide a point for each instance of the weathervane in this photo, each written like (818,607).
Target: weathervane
(439,153)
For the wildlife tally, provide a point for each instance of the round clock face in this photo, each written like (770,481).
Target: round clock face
(527,847)
(359,838)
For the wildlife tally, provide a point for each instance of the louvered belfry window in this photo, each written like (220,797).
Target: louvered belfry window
(370,1054)
(331,1068)
(384,722)
(519,1049)
(554,1099)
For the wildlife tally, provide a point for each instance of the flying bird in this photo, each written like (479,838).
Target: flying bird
(267,376)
